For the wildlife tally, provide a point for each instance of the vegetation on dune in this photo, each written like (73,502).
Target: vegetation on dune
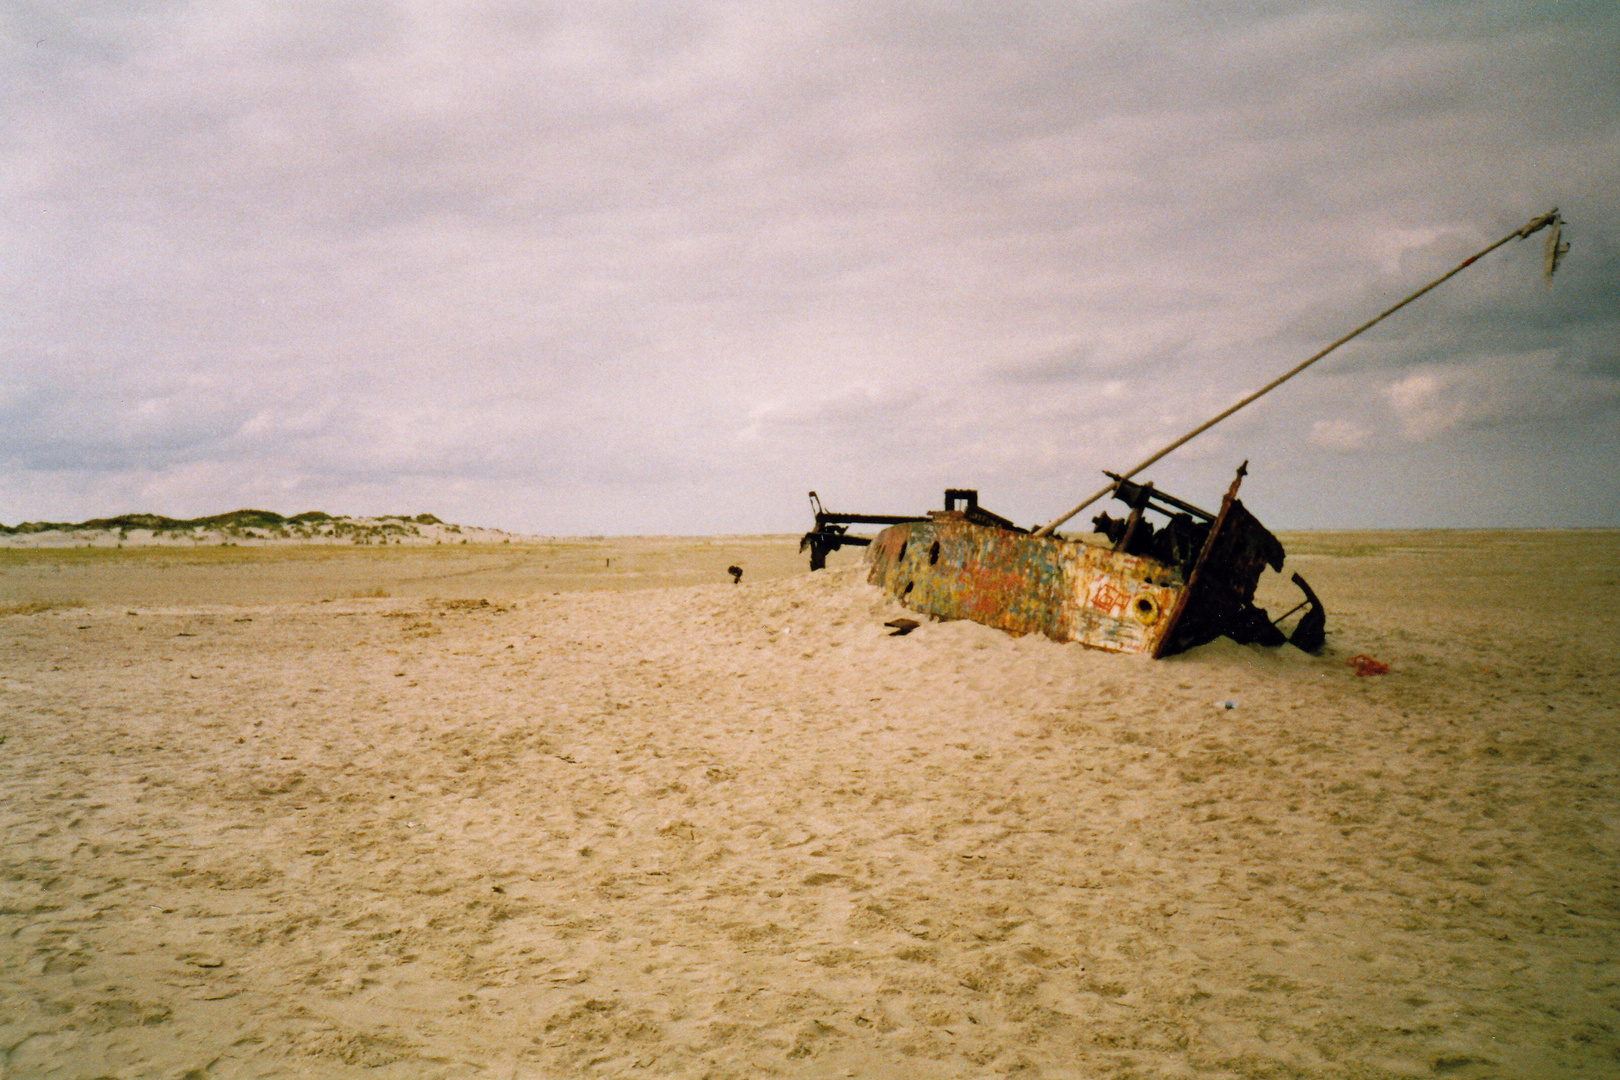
(253,524)
(237,519)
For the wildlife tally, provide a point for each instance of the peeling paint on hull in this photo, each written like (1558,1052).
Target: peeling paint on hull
(1068,590)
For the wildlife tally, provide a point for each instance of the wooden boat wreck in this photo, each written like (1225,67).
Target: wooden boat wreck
(1149,589)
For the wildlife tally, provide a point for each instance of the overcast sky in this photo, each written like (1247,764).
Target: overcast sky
(579,268)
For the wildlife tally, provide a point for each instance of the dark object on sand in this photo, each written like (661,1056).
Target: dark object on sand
(902,627)
(1311,630)
(736,574)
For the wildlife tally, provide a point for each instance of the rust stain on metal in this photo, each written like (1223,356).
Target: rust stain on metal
(951,568)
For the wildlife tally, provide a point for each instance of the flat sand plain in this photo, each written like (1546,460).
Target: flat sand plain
(519,811)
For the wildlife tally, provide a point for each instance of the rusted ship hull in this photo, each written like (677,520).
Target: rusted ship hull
(1153,591)
(954,569)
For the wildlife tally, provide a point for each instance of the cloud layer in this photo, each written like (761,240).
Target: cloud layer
(651,268)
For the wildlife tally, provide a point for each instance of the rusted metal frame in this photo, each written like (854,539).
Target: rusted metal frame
(972,511)
(831,531)
(825,517)
(826,539)
(978,515)
(1168,638)
(1310,633)
(1143,493)
(864,519)
(1126,490)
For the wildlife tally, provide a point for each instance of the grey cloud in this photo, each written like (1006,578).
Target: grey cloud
(1490,392)
(1064,365)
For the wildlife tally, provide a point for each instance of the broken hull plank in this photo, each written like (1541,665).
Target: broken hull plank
(1068,590)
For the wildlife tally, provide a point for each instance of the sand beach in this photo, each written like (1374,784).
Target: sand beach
(586,808)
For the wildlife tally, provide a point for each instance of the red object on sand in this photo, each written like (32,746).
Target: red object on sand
(1366,665)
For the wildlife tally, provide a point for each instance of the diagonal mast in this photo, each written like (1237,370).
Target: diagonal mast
(1555,251)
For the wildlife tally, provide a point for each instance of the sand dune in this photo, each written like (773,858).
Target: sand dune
(250,528)
(500,824)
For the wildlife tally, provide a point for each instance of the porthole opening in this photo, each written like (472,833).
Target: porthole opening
(902,553)
(909,586)
(933,554)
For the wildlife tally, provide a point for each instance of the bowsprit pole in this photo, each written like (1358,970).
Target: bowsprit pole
(1555,252)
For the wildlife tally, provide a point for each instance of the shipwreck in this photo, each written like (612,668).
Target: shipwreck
(1155,587)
